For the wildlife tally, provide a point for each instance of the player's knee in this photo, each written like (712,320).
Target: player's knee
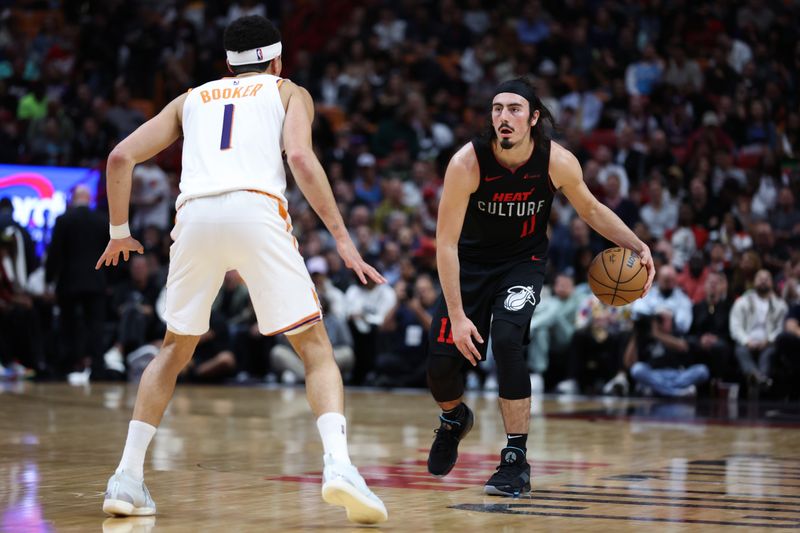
(507,339)
(512,368)
(445,378)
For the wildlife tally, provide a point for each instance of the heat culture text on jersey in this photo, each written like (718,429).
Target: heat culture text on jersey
(511,204)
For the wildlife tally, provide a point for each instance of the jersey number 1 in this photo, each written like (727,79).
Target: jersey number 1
(227,127)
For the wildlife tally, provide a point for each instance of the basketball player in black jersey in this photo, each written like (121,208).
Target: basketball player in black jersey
(491,252)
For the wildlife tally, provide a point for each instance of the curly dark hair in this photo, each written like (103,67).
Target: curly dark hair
(250,32)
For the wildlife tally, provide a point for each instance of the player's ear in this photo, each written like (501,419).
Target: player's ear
(535,117)
(275,66)
(228,63)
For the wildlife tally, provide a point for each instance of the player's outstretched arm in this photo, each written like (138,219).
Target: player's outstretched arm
(148,140)
(565,171)
(311,178)
(461,179)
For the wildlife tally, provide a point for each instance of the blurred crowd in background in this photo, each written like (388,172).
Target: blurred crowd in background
(685,117)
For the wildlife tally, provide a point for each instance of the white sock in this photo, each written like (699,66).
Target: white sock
(333,430)
(139,436)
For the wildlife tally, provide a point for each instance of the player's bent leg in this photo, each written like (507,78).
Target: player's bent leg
(342,484)
(446,381)
(126,493)
(512,477)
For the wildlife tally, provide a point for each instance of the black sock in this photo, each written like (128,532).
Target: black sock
(517,440)
(456,414)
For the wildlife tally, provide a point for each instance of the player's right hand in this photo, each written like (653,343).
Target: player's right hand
(353,260)
(115,246)
(464,331)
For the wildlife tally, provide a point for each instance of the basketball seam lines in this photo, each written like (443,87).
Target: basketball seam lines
(641,266)
(605,286)
(603,262)
(621,264)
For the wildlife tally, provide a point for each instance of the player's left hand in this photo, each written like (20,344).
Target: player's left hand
(115,246)
(646,259)
(353,260)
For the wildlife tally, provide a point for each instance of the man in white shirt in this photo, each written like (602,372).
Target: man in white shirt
(150,197)
(756,321)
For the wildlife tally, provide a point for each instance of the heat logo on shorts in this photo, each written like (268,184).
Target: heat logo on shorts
(518,296)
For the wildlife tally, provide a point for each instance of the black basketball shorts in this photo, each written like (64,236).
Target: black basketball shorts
(507,291)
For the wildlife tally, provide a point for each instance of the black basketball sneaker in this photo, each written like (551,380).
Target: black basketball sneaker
(444,452)
(513,476)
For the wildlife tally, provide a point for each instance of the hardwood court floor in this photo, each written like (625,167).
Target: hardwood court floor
(249,459)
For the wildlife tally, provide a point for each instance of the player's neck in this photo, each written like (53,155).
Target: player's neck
(516,155)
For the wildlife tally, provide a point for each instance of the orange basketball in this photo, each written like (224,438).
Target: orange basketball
(617,277)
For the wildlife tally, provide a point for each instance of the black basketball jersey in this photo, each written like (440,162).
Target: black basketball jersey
(507,216)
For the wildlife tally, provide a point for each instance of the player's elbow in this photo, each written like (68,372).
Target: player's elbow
(119,157)
(300,160)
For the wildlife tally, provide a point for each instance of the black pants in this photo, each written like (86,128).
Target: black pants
(81,330)
(364,347)
(718,358)
(21,337)
(592,360)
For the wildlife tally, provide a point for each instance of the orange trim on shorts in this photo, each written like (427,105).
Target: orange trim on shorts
(315,317)
(316,298)
(281,210)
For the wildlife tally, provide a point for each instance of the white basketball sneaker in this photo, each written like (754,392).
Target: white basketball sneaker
(342,485)
(128,496)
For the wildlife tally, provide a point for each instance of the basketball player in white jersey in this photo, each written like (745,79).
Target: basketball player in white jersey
(232,215)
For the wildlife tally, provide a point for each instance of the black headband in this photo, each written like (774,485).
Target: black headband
(517,87)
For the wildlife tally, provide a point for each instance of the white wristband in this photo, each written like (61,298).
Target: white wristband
(119,232)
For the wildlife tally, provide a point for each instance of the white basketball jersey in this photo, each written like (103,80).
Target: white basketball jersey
(232,131)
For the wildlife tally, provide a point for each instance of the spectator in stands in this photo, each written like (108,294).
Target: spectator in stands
(28,246)
(366,307)
(624,208)
(786,220)
(402,362)
(79,238)
(134,303)
(213,361)
(709,337)
(630,154)
(151,200)
(21,346)
(595,355)
(687,237)
(285,362)
(661,213)
(692,280)
(553,326)
(662,320)
(642,77)
(784,367)
(756,320)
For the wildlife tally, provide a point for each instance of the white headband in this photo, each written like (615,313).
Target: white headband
(255,55)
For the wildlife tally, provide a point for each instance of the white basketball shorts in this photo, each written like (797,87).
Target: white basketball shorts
(246,231)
